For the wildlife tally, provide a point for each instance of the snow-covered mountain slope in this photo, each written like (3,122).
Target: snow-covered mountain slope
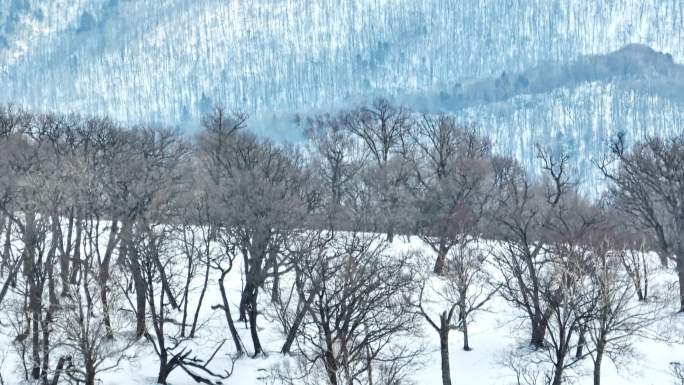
(493,62)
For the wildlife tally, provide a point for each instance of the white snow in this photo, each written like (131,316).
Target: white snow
(494,334)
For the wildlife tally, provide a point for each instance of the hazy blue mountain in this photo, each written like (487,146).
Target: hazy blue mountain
(567,72)
(635,67)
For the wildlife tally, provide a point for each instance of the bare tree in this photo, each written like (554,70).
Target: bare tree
(648,184)
(637,268)
(197,235)
(36,197)
(258,195)
(85,334)
(571,307)
(464,288)
(521,211)
(15,151)
(470,283)
(618,317)
(98,145)
(383,128)
(445,324)
(305,253)
(173,350)
(358,313)
(525,370)
(224,264)
(677,369)
(567,234)
(146,176)
(338,159)
(451,181)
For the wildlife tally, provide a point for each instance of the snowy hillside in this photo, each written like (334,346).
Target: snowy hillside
(145,60)
(497,334)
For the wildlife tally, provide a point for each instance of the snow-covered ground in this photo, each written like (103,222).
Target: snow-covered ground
(495,333)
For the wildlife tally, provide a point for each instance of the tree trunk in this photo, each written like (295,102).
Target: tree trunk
(45,327)
(201,299)
(441,257)
(186,295)
(600,347)
(140,295)
(390,236)
(35,292)
(275,290)
(580,343)
(664,258)
(34,308)
(680,274)
(645,272)
(161,378)
(11,277)
(229,318)
(129,254)
(538,334)
(246,298)
(558,369)
(162,272)
(77,250)
(105,310)
(47,320)
(52,253)
(539,328)
(103,277)
(330,366)
(4,263)
(89,376)
(64,255)
(444,348)
(640,294)
(164,368)
(463,318)
(466,344)
(369,366)
(292,333)
(61,363)
(252,312)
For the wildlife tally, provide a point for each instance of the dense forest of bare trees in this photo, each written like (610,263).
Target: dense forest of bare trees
(105,229)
